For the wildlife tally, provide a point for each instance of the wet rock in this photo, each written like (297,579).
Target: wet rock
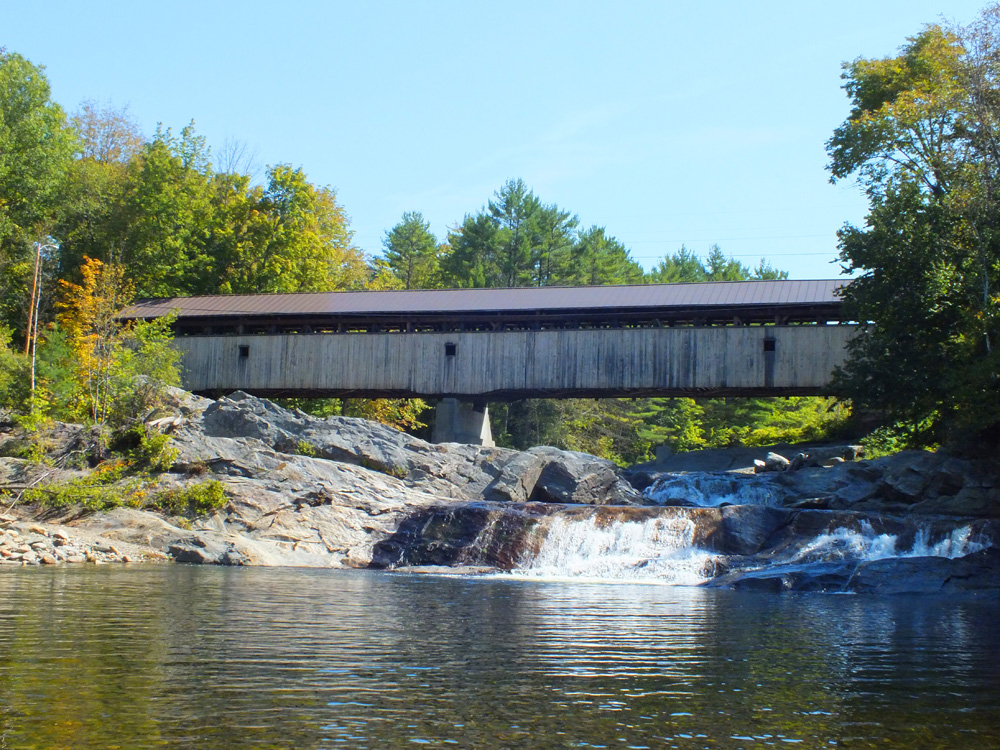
(443,570)
(831,577)
(745,529)
(978,572)
(571,477)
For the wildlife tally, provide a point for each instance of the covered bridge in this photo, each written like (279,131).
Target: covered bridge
(474,345)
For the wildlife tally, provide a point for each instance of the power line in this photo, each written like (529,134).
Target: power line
(753,255)
(727,239)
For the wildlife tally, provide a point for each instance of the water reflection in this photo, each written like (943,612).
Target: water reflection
(178,656)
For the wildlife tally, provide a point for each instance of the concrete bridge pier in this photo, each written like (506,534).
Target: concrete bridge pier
(462,422)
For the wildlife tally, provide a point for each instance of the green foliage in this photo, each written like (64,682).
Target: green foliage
(35,148)
(30,448)
(517,241)
(892,438)
(304,448)
(143,367)
(923,139)
(197,499)
(597,259)
(128,481)
(411,251)
(316,407)
(149,452)
(102,489)
(399,413)
(14,375)
(290,236)
(686,266)
(684,424)
(603,427)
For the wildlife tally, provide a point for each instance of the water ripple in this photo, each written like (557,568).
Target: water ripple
(185,657)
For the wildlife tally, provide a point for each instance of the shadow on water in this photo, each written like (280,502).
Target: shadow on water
(185,657)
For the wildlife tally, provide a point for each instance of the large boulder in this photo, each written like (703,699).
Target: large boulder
(571,477)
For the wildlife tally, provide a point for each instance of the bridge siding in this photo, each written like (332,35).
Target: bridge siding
(528,363)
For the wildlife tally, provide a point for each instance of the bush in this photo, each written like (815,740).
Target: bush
(198,499)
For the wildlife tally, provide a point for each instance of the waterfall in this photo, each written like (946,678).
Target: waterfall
(657,550)
(706,490)
(865,544)
(957,544)
(662,550)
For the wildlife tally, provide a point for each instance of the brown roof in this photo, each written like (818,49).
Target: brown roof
(458,301)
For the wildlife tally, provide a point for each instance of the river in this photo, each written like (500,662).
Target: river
(203,657)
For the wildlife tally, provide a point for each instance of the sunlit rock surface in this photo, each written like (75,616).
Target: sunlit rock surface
(334,492)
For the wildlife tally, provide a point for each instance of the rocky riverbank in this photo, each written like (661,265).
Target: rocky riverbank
(344,492)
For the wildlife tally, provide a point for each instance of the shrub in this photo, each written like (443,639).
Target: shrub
(198,499)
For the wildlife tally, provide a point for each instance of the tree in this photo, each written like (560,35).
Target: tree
(90,216)
(511,209)
(292,236)
(599,260)
(164,217)
(682,266)
(107,134)
(411,251)
(922,141)
(121,370)
(36,148)
(551,237)
(685,266)
(471,258)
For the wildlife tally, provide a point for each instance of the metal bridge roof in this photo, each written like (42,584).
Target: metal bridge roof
(708,294)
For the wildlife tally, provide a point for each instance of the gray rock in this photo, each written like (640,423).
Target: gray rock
(571,477)
(978,572)
(776,462)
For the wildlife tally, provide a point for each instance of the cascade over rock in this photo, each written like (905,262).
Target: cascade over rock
(340,491)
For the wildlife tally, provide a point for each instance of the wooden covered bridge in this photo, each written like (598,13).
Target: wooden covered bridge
(476,345)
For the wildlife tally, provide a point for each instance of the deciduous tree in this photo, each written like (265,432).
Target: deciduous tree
(922,141)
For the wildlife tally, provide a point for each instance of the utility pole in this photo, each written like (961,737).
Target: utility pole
(34,294)
(31,335)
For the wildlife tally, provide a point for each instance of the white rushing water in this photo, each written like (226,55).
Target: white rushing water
(659,550)
(865,544)
(707,490)
(662,550)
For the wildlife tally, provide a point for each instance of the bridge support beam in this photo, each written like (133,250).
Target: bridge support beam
(462,422)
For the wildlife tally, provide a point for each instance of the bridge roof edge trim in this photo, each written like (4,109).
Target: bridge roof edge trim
(708,294)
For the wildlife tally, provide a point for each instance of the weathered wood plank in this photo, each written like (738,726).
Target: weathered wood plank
(519,363)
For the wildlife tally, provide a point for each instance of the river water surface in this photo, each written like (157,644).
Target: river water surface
(190,657)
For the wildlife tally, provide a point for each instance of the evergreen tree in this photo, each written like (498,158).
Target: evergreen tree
(411,252)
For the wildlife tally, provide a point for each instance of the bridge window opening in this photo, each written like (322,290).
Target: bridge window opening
(450,349)
(244,351)
(769,345)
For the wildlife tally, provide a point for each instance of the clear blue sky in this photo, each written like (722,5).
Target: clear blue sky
(664,122)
